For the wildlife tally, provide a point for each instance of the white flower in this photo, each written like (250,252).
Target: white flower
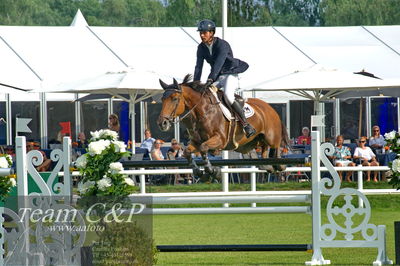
(81,161)
(83,187)
(104,133)
(97,147)
(116,167)
(129,181)
(396,165)
(13,182)
(391,135)
(95,134)
(119,146)
(4,162)
(104,183)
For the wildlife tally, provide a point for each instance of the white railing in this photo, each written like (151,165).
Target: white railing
(253,171)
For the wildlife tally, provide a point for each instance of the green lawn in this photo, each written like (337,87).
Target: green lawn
(261,229)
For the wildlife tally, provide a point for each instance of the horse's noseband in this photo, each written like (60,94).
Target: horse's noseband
(168,93)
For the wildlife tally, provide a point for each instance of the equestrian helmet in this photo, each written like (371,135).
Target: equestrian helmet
(206,25)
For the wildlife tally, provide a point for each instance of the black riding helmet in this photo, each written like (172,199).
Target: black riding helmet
(206,25)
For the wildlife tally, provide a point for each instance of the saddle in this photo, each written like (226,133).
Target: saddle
(226,107)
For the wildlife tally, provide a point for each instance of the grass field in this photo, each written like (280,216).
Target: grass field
(262,229)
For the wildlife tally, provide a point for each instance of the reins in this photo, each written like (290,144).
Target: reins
(187,113)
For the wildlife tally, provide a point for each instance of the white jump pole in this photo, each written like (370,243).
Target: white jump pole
(317,258)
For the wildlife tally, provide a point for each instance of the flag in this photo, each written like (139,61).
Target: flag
(65,128)
(22,125)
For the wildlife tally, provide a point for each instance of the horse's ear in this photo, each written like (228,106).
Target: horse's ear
(176,84)
(163,84)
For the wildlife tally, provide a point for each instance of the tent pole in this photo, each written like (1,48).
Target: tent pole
(224,18)
(360,117)
(9,120)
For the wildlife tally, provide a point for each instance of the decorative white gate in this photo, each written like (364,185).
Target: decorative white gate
(53,245)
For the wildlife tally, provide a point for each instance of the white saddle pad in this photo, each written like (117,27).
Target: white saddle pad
(247,109)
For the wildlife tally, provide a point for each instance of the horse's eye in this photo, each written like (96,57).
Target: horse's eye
(175,99)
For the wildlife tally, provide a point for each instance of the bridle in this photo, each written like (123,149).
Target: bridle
(170,118)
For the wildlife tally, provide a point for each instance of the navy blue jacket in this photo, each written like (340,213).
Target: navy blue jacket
(221,60)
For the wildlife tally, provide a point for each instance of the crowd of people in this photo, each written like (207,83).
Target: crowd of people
(364,154)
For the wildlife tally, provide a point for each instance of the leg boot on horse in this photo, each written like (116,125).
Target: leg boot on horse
(213,172)
(250,131)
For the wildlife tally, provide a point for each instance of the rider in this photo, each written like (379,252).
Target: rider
(224,67)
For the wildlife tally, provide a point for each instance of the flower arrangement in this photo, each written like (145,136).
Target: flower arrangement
(393,142)
(100,168)
(6,182)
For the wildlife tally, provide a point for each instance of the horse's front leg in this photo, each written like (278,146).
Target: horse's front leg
(187,153)
(214,142)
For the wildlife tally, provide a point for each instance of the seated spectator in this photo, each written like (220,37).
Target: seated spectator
(82,142)
(148,140)
(9,149)
(45,166)
(342,157)
(176,150)
(377,141)
(305,138)
(367,157)
(156,153)
(113,122)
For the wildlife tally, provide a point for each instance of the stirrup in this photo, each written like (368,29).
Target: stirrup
(250,131)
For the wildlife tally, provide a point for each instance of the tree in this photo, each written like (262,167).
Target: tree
(27,12)
(150,13)
(294,12)
(187,13)
(248,13)
(361,12)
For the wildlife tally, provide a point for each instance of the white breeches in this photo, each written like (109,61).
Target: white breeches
(229,84)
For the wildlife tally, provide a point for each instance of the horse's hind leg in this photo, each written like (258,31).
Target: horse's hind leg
(276,153)
(264,154)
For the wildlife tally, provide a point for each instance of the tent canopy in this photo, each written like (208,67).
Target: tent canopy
(319,83)
(36,57)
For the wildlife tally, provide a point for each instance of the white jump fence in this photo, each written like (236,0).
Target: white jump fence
(323,235)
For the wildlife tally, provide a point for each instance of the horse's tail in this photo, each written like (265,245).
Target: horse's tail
(285,143)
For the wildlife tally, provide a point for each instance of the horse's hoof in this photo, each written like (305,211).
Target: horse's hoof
(216,174)
(268,168)
(280,168)
(205,178)
(197,173)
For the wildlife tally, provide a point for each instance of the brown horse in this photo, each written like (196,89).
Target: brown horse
(208,128)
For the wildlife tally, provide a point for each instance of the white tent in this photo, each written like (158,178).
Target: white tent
(319,83)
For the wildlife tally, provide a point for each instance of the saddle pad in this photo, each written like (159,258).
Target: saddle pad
(247,109)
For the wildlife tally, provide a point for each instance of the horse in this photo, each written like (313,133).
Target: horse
(210,131)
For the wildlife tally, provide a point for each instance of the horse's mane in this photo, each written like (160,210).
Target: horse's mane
(196,85)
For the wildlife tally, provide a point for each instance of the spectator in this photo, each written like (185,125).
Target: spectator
(305,138)
(176,150)
(82,142)
(350,130)
(148,140)
(377,141)
(113,122)
(45,166)
(367,157)
(156,153)
(342,157)
(9,149)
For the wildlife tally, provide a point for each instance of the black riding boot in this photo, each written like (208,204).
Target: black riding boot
(250,131)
